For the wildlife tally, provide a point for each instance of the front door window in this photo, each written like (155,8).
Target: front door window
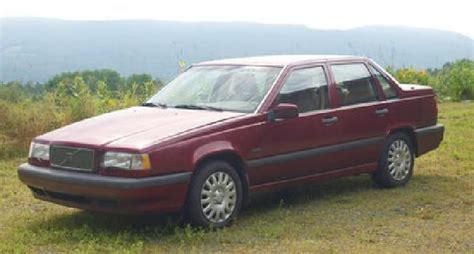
(306,88)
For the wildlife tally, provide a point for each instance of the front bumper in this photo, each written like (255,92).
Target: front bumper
(106,193)
(428,138)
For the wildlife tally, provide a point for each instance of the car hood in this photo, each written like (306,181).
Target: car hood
(134,128)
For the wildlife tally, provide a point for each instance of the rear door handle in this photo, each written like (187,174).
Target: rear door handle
(381,112)
(330,119)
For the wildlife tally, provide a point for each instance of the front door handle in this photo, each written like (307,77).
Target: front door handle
(330,119)
(381,112)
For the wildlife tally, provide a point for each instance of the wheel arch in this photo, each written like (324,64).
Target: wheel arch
(235,160)
(410,132)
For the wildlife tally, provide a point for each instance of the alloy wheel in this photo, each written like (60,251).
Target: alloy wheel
(399,159)
(218,197)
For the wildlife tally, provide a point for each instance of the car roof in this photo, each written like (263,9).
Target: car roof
(280,60)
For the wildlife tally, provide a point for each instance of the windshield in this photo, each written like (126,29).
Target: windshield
(228,88)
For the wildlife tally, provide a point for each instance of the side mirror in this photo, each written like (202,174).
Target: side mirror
(283,111)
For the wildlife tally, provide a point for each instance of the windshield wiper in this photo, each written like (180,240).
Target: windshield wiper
(151,104)
(198,107)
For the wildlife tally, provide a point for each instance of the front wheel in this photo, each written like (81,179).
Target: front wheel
(215,195)
(396,162)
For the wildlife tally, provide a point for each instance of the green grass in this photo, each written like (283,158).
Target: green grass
(433,213)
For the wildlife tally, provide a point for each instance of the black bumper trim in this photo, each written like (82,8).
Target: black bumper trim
(428,138)
(78,178)
(438,128)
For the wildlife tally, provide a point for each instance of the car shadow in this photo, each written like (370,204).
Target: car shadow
(267,201)
(261,203)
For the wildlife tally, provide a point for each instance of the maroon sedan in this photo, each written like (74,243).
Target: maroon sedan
(225,129)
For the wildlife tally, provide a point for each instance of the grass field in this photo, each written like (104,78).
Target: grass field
(432,214)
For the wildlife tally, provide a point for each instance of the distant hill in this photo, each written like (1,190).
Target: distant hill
(34,49)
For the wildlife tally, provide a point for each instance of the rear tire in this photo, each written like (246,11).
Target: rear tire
(396,162)
(215,195)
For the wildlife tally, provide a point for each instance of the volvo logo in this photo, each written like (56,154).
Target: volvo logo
(68,156)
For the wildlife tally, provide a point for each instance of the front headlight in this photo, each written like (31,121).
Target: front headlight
(39,151)
(127,161)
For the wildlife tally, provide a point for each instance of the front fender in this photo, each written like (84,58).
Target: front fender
(213,148)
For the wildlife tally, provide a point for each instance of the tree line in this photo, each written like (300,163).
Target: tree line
(454,81)
(28,110)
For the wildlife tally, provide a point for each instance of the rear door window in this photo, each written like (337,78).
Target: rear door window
(354,84)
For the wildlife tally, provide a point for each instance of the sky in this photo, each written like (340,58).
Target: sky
(453,15)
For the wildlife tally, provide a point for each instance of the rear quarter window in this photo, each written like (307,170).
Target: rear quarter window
(388,90)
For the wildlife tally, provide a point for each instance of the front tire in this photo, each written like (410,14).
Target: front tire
(215,195)
(396,162)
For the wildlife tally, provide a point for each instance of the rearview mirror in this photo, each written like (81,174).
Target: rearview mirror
(283,111)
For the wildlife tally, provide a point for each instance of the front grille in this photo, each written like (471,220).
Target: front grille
(72,158)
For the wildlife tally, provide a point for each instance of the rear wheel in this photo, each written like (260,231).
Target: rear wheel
(396,162)
(215,196)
